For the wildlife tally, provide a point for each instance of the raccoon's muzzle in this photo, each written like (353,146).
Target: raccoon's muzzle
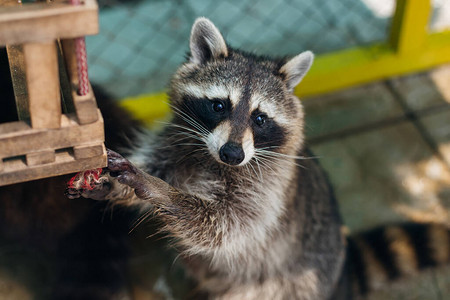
(231,153)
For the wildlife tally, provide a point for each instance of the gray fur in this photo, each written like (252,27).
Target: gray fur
(268,229)
(206,42)
(296,68)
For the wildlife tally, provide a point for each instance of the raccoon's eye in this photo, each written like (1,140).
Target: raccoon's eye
(260,119)
(218,106)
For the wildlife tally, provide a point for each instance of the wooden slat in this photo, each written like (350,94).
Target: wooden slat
(70,57)
(17,171)
(39,158)
(41,62)
(35,22)
(17,66)
(66,86)
(16,138)
(85,107)
(12,127)
(85,151)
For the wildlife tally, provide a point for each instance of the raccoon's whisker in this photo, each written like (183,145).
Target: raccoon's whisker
(175,260)
(199,128)
(287,155)
(261,161)
(178,142)
(195,129)
(198,121)
(267,162)
(190,153)
(259,168)
(189,144)
(184,136)
(256,174)
(248,170)
(188,119)
(189,135)
(179,126)
(187,155)
(109,208)
(140,220)
(190,130)
(271,153)
(280,158)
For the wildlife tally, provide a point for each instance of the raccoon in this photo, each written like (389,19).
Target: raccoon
(230,178)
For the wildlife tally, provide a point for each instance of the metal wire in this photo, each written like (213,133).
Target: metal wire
(142,42)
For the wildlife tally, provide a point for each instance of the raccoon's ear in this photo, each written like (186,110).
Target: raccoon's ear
(206,42)
(296,68)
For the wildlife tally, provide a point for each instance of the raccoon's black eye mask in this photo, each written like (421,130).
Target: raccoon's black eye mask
(266,131)
(208,112)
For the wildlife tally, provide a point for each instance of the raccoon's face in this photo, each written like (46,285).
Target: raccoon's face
(240,105)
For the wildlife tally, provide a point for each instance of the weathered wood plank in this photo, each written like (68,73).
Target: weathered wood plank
(85,151)
(17,66)
(85,107)
(17,171)
(70,57)
(42,76)
(66,86)
(17,138)
(41,157)
(35,22)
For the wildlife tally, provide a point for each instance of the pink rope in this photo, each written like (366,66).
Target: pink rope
(80,49)
(86,179)
(82,68)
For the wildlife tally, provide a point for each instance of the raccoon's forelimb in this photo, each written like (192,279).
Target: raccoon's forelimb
(146,187)
(194,221)
(108,188)
(123,181)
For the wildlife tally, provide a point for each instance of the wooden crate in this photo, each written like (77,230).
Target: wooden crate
(45,141)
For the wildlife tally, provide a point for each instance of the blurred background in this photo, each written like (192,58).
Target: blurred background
(141,43)
(377,104)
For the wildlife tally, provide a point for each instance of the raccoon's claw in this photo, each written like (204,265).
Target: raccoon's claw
(72,193)
(122,169)
(117,163)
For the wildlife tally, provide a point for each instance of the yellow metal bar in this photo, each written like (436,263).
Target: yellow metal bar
(331,72)
(148,108)
(361,65)
(409,49)
(410,25)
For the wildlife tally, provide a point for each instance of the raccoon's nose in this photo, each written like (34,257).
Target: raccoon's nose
(231,153)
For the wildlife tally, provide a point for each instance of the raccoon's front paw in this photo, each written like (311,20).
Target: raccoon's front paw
(118,165)
(146,187)
(126,173)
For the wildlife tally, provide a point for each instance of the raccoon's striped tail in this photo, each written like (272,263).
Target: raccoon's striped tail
(386,253)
